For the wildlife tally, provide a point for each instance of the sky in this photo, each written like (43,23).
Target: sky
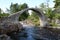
(31,3)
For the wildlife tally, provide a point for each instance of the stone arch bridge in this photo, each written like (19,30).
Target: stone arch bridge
(14,17)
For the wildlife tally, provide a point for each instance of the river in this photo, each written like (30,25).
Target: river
(34,33)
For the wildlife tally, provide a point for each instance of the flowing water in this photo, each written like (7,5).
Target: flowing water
(34,33)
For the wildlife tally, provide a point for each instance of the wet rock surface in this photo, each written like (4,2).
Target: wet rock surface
(34,33)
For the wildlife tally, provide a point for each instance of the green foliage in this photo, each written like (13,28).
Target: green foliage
(53,24)
(34,15)
(4,14)
(22,6)
(25,14)
(57,3)
(15,8)
(43,7)
(57,16)
(34,18)
(57,9)
(50,13)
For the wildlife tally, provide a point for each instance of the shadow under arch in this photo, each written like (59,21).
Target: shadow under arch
(43,20)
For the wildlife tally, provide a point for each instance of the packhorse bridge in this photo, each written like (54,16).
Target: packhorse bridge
(14,17)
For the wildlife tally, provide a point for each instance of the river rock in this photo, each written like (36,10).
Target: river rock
(8,27)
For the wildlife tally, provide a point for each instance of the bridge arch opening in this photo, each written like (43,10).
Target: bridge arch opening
(43,21)
(31,19)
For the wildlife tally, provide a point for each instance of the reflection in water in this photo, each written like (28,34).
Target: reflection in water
(32,33)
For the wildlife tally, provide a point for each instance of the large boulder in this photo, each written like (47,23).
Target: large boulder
(8,27)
